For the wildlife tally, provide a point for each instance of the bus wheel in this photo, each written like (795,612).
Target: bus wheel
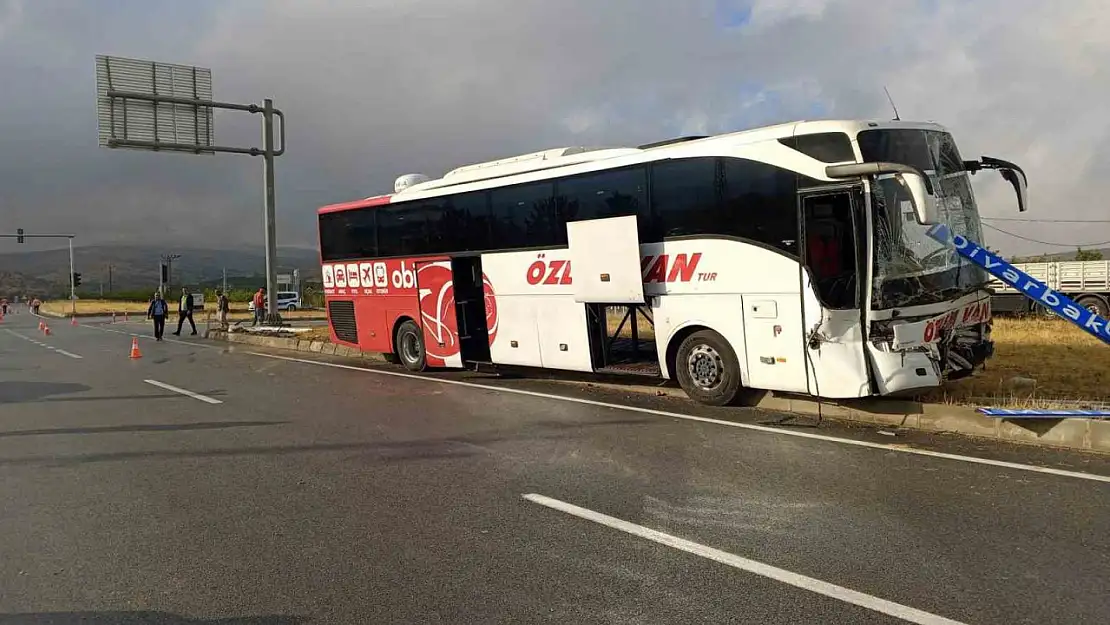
(410,346)
(707,369)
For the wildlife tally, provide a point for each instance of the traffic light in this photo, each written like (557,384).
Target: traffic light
(19,235)
(76,279)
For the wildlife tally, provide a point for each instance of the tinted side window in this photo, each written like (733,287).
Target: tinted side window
(613,193)
(760,203)
(466,222)
(684,197)
(402,230)
(348,234)
(827,147)
(524,216)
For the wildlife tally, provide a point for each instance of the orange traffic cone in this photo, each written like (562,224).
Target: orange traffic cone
(41,326)
(73,320)
(135,348)
(46,330)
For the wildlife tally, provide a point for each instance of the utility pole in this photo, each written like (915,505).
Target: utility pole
(225,280)
(109,278)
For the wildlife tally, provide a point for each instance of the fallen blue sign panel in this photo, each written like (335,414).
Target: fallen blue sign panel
(1037,291)
(1038,413)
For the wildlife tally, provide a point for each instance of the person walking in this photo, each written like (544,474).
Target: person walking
(223,306)
(259,307)
(157,311)
(185,311)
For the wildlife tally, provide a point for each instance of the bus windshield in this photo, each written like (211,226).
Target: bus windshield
(912,269)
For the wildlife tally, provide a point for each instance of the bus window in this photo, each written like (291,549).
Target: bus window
(611,193)
(760,204)
(524,216)
(466,222)
(684,198)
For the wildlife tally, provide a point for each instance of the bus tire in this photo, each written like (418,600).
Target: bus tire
(409,346)
(707,369)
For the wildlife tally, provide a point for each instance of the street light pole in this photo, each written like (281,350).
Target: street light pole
(272,316)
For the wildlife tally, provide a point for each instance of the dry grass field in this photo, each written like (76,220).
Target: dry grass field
(1067,364)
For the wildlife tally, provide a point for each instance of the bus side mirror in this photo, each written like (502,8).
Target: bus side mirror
(924,202)
(1021,186)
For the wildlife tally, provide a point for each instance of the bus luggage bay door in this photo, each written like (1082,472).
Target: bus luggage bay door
(605,255)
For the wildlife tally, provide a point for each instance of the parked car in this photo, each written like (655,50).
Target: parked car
(286,300)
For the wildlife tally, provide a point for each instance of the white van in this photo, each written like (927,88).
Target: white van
(286,300)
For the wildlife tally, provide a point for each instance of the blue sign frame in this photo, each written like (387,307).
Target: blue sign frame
(1035,290)
(1041,413)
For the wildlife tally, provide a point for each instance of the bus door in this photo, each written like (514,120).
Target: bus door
(470,308)
(834,256)
(435,313)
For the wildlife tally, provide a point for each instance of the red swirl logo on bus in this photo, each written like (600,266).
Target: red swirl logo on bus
(437,309)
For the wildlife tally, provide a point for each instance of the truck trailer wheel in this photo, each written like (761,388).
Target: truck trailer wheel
(1094,304)
(409,346)
(707,369)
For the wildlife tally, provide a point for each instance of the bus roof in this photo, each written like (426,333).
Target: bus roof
(558,158)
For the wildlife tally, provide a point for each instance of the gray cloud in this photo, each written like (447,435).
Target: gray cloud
(373,89)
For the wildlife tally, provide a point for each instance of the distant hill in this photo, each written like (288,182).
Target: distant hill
(46,273)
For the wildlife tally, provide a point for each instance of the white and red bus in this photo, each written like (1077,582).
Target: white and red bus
(788,258)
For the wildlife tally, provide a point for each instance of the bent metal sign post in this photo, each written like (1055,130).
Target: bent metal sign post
(1037,291)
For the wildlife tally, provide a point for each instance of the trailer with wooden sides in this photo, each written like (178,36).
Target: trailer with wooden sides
(1086,282)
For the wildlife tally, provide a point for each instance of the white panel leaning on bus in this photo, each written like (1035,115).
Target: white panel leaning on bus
(787,258)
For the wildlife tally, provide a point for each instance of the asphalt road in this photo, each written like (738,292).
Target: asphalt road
(204,484)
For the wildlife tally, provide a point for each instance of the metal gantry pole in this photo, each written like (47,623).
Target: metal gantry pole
(272,315)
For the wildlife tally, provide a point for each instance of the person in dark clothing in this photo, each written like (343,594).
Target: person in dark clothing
(157,311)
(185,311)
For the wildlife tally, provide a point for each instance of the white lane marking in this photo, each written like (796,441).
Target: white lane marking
(840,593)
(148,337)
(41,344)
(746,426)
(168,387)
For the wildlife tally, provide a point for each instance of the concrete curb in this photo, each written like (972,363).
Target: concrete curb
(294,344)
(1082,434)
(1076,434)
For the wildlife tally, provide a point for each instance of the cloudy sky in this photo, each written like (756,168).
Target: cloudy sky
(376,88)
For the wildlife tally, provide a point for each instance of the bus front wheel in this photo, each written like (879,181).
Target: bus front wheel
(707,369)
(410,346)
